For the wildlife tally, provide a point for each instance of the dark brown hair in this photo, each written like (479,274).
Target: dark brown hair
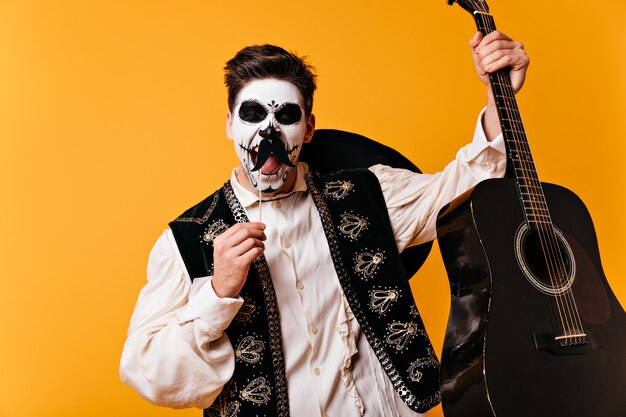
(269,61)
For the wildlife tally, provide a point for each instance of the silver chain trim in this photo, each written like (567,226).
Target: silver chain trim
(377,345)
(271,304)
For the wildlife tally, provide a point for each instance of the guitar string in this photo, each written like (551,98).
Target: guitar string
(499,82)
(520,157)
(547,233)
(548,241)
(535,213)
(534,184)
(526,166)
(530,184)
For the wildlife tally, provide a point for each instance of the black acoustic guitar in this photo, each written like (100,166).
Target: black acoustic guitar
(534,328)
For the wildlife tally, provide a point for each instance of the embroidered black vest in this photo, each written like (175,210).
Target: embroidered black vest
(370,271)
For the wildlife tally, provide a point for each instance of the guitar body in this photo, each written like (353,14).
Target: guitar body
(499,357)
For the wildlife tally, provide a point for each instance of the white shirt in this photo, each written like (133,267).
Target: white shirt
(178,354)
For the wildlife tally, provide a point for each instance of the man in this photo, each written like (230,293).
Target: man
(307,312)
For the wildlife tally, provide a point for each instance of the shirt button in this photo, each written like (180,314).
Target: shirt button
(299,285)
(276,203)
(314,330)
(286,244)
(317,371)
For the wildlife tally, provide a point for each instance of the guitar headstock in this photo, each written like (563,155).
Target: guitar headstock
(471,6)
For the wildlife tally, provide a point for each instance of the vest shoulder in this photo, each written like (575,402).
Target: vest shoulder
(352,173)
(200,212)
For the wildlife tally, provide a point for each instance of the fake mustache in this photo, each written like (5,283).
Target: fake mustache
(271,144)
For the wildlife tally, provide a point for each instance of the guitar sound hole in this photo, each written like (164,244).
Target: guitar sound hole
(546,260)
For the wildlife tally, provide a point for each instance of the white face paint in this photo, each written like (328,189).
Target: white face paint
(261,104)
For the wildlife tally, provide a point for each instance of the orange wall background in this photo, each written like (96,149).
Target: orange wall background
(112,123)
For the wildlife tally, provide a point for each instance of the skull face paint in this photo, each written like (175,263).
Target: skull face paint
(268,128)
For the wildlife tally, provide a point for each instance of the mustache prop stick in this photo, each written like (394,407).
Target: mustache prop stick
(270,145)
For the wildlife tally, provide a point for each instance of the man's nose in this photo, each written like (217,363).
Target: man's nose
(270,132)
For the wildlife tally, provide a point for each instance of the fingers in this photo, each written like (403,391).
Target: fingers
(494,36)
(234,251)
(502,59)
(249,256)
(242,226)
(476,40)
(236,234)
(241,239)
(496,51)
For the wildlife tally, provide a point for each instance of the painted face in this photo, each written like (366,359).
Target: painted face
(268,129)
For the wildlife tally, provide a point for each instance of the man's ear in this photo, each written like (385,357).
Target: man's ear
(310,128)
(229,126)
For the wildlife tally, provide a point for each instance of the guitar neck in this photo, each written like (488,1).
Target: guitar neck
(521,166)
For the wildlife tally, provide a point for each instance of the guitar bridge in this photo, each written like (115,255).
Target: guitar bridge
(559,344)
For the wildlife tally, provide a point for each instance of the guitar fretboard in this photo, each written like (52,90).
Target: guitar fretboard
(521,165)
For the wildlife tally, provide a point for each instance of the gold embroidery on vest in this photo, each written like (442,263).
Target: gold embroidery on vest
(382,299)
(429,361)
(352,225)
(246,311)
(400,334)
(337,189)
(223,406)
(214,230)
(367,263)
(257,391)
(249,350)
(204,218)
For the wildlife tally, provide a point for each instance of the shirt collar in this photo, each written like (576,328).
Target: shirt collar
(248,198)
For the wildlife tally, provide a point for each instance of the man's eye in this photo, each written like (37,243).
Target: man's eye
(252,112)
(253,116)
(289,114)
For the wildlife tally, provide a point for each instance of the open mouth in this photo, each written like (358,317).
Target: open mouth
(271,166)
(271,154)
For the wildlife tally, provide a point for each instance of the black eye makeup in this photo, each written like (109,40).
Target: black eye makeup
(288,114)
(252,111)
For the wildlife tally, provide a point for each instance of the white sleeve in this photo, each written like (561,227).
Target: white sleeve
(414,200)
(176,353)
